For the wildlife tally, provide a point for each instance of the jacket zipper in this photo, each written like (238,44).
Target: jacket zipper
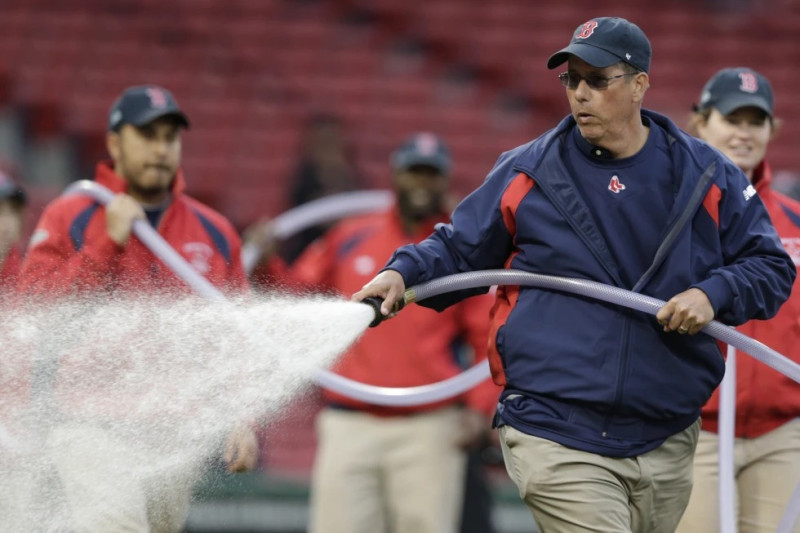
(624,355)
(696,199)
(699,193)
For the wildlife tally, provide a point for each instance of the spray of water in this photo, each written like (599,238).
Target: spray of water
(147,390)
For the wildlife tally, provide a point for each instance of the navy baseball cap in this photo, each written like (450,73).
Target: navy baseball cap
(143,104)
(422,149)
(10,190)
(732,88)
(604,41)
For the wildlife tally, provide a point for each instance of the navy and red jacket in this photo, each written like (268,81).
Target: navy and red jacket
(587,374)
(765,398)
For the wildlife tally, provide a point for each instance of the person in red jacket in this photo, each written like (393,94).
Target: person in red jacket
(81,248)
(735,115)
(12,205)
(381,468)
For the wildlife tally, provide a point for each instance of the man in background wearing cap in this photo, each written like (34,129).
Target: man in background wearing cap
(82,248)
(735,115)
(600,412)
(12,206)
(399,469)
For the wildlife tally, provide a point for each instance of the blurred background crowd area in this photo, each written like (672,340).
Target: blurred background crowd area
(250,73)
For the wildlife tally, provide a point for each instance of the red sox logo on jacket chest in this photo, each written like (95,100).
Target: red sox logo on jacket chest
(615,185)
(199,256)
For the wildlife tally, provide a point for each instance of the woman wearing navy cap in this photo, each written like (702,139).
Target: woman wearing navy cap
(735,115)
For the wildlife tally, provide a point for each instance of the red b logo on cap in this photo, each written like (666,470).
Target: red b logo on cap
(157,97)
(586,30)
(749,82)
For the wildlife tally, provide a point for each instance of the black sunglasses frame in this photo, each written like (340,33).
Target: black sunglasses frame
(598,83)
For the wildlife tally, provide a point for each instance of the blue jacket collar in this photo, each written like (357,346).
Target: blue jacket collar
(693,172)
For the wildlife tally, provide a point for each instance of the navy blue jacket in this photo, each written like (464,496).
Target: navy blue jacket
(584,373)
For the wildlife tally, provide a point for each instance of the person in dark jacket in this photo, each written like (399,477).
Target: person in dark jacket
(600,412)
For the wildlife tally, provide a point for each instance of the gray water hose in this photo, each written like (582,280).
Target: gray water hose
(467,280)
(606,293)
(791,514)
(379,395)
(349,203)
(319,211)
(726,442)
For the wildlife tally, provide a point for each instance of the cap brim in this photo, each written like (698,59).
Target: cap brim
(147,118)
(438,163)
(14,193)
(597,57)
(729,105)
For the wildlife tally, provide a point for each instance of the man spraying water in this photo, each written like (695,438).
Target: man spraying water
(599,416)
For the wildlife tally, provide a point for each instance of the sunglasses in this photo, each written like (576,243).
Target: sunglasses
(594,81)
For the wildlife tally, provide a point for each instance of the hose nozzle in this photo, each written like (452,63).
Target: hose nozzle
(375,303)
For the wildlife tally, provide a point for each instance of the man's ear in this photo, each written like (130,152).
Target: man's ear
(641,82)
(113,144)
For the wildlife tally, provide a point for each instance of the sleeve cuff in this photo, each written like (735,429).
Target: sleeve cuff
(719,293)
(406,266)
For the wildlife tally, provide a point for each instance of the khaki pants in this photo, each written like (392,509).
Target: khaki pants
(402,474)
(571,491)
(109,488)
(766,469)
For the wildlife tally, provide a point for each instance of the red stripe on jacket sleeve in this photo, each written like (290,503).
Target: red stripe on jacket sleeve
(711,203)
(505,300)
(511,199)
(506,297)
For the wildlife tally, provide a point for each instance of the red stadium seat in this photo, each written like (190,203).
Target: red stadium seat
(249,72)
